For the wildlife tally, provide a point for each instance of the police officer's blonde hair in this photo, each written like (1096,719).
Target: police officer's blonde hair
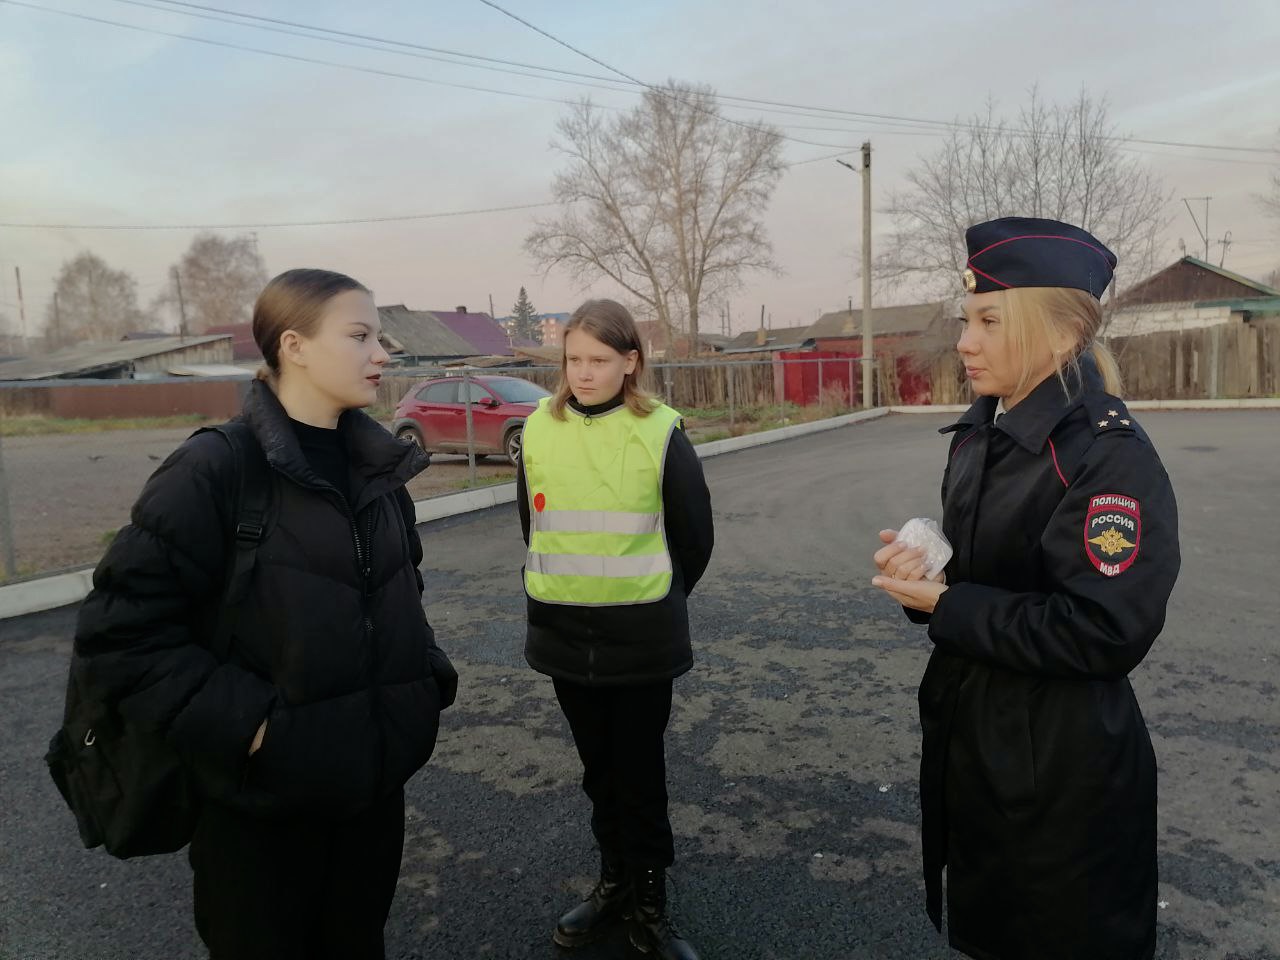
(1039,315)
(612,324)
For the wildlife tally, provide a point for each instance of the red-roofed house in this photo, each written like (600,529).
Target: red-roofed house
(481,331)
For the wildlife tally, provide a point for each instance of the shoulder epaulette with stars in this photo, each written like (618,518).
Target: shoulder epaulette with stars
(1109,414)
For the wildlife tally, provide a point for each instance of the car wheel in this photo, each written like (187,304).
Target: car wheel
(513,444)
(412,434)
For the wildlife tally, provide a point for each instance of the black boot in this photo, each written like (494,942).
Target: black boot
(607,903)
(651,928)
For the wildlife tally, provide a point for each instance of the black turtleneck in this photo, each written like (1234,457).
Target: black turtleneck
(326,455)
(596,409)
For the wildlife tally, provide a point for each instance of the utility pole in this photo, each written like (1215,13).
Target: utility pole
(868,359)
(22,309)
(1204,234)
(182,305)
(1225,242)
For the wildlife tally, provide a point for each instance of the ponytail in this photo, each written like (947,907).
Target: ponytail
(1107,366)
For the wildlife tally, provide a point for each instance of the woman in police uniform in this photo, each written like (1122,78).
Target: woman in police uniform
(1038,780)
(617,518)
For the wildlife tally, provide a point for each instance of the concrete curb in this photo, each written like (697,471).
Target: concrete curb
(47,593)
(1251,403)
(748,440)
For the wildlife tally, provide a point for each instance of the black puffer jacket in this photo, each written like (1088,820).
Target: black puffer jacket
(331,645)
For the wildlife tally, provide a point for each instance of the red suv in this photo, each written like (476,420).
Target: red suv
(434,414)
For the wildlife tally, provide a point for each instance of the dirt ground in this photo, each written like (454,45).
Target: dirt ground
(70,493)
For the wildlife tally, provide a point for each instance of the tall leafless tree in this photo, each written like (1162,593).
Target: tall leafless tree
(93,302)
(1062,161)
(220,280)
(666,200)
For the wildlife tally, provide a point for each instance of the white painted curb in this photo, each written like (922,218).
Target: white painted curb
(748,440)
(437,508)
(33,596)
(1250,403)
(932,408)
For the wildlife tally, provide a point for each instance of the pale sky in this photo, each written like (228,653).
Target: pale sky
(105,125)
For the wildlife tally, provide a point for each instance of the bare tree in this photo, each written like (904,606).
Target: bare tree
(665,200)
(220,280)
(91,302)
(1060,161)
(1271,202)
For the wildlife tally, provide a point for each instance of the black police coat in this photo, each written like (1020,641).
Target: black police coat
(331,646)
(1038,780)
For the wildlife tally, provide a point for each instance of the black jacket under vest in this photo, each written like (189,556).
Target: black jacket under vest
(331,646)
(639,642)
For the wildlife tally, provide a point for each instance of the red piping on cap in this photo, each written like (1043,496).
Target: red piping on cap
(988,276)
(1039,236)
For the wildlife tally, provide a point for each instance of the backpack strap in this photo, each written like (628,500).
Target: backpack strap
(252,503)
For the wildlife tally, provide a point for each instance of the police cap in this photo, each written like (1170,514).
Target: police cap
(1031,252)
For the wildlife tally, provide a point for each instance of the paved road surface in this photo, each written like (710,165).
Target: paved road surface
(793,745)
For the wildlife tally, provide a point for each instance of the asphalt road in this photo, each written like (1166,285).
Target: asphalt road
(793,745)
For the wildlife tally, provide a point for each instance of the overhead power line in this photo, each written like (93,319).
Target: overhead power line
(896,118)
(499,64)
(266,226)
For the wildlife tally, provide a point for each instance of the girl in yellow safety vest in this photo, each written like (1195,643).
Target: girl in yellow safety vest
(617,518)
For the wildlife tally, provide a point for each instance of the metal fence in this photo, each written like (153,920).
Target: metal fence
(68,477)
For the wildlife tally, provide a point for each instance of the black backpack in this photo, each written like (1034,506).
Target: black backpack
(127,787)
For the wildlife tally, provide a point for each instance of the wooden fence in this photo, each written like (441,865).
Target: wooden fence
(1227,361)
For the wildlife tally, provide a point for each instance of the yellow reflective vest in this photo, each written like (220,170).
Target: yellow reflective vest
(594,484)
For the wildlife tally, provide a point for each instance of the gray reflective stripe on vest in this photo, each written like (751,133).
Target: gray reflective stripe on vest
(585,565)
(596,521)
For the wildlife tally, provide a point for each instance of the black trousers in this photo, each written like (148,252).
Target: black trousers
(297,889)
(619,735)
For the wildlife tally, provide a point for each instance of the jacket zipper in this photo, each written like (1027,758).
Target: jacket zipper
(363,561)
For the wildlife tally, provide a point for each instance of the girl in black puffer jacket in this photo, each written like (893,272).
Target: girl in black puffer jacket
(301,742)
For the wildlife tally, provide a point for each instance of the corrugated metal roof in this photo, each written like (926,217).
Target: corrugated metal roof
(244,348)
(546,355)
(910,318)
(775,339)
(419,333)
(210,370)
(1246,305)
(92,355)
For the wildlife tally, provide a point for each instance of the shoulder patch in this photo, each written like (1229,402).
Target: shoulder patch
(1112,533)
